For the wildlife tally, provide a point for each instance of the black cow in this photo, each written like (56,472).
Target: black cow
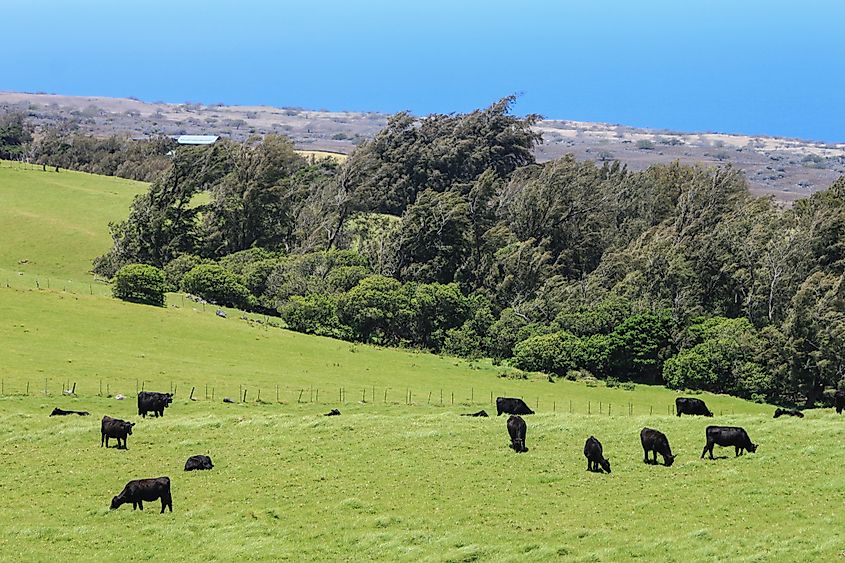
(479,413)
(333,412)
(691,405)
(59,412)
(115,428)
(150,401)
(595,458)
(728,436)
(788,412)
(516,429)
(839,401)
(196,462)
(142,490)
(510,405)
(657,442)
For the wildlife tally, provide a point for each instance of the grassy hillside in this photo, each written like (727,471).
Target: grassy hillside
(55,223)
(396,477)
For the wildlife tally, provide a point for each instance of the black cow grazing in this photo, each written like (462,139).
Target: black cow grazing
(516,429)
(479,413)
(728,436)
(142,490)
(691,405)
(839,401)
(115,428)
(150,401)
(657,442)
(595,458)
(59,412)
(510,405)
(197,462)
(788,412)
(333,412)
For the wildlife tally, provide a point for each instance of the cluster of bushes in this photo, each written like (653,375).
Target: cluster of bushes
(443,233)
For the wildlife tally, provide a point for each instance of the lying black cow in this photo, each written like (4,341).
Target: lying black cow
(788,412)
(595,458)
(516,429)
(115,428)
(142,490)
(691,405)
(59,412)
(150,401)
(479,413)
(839,401)
(333,412)
(657,442)
(198,462)
(728,436)
(510,405)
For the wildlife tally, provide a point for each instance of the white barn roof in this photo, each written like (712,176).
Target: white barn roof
(197,139)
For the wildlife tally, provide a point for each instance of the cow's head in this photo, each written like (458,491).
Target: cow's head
(530,412)
(709,413)
(116,502)
(605,464)
(752,447)
(168,398)
(669,460)
(127,426)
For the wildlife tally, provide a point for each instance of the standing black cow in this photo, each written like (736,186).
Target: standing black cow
(114,428)
(142,490)
(839,401)
(516,429)
(151,401)
(657,442)
(728,436)
(510,405)
(788,412)
(691,405)
(594,455)
(197,462)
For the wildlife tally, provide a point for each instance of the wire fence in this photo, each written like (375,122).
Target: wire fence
(326,395)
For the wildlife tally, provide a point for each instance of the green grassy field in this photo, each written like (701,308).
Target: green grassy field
(55,223)
(396,477)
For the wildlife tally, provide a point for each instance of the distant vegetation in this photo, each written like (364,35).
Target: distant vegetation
(443,233)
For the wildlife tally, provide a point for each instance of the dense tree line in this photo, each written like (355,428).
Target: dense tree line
(443,233)
(64,147)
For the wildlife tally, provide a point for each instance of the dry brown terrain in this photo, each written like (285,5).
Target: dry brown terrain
(786,168)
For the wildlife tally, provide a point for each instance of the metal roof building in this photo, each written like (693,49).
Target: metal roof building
(197,139)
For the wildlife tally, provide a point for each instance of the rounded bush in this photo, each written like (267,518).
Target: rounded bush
(140,283)
(218,285)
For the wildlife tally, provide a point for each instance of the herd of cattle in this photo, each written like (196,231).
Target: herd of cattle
(653,441)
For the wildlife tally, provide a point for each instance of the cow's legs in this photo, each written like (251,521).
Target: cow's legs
(141,504)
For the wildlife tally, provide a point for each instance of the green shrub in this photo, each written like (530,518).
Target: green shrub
(140,283)
(218,285)
(314,314)
(176,269)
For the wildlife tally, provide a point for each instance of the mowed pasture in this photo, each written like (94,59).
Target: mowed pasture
(397,476)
